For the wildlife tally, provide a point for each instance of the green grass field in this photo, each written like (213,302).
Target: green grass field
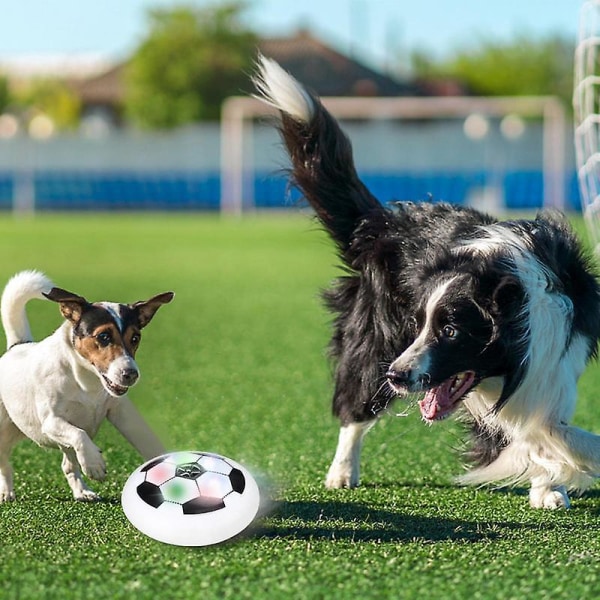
(237,365)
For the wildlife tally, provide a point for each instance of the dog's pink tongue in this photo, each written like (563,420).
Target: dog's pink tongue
(436,402)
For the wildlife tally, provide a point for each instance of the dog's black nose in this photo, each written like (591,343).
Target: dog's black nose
(129,376)
(398,378)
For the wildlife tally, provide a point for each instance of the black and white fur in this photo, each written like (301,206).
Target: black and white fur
(58,391)
(496,318)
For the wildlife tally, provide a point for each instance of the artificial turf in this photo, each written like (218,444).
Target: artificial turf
(237,365)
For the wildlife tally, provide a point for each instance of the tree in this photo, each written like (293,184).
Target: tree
(4,94)
(190,61)
(521,66)
(53,98)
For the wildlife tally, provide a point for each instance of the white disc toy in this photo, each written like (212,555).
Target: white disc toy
(191,498)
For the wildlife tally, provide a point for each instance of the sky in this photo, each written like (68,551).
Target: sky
(373,30)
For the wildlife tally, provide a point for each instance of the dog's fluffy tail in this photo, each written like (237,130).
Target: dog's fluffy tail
(322,162)
(21,288)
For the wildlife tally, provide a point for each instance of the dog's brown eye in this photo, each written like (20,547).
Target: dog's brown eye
(135,339)
(104,338)
(448,331)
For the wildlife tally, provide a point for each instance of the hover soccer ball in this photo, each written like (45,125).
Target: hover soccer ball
(191,498)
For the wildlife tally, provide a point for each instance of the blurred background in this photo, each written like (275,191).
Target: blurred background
(120,105)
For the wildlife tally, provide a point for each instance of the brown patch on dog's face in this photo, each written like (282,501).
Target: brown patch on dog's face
(107,335)
(102,346)
(108,338)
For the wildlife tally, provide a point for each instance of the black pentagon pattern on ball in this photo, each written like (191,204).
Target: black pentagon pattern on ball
(153,463)
(238,481)
(201,505)
(152,495)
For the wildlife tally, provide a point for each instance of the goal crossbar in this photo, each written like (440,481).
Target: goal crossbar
(238,113)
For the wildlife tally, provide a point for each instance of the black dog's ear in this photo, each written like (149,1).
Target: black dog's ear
(72,306)
(507,297)
(147,308)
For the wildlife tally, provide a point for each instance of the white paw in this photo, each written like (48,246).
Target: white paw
(341,475)
(549,498)
(86,495)
(92,463)
(6,496)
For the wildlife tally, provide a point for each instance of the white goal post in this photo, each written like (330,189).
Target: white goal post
(239,112)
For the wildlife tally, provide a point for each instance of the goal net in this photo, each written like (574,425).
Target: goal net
(586,105)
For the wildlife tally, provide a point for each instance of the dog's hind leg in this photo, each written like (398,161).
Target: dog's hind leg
(7,492)
(571,457)
(70,468)
(544,495)
(9,435)
(344,471)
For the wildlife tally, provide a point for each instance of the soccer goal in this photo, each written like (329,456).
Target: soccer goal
(586,105)
(239,115)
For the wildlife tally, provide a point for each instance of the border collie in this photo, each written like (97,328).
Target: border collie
(496,318)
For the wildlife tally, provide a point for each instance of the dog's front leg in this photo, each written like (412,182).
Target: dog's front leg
(130,423)
(70,468)
(68,436)
(344,471)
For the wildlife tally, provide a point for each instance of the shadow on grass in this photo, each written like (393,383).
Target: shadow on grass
(519,491)
(303,520)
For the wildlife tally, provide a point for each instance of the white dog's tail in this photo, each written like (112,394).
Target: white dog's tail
(21,288)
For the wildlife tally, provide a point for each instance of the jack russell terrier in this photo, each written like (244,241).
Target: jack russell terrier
(58,391)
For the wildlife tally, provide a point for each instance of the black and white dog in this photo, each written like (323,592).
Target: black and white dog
(496,318)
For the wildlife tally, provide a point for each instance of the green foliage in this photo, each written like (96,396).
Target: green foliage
(191,60)
(521,66)
(52,98)
(4,94)
(236,364)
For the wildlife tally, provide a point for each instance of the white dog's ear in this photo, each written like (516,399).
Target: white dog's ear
(147,308)
(71,305)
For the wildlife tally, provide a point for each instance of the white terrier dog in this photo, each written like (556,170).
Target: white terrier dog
(58,391)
